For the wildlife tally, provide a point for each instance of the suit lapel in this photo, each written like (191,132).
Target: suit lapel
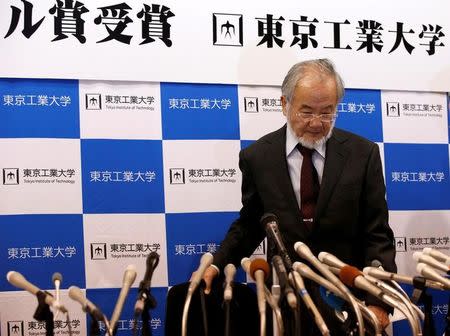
(336,156)
(276,154)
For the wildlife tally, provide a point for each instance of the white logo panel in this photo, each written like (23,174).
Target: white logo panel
(119,110)
(40,176)
(414,117)
(415,230)
(112,242)
(201,176)
(18,307)
(260,111)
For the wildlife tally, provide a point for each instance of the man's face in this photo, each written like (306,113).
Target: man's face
(314,94)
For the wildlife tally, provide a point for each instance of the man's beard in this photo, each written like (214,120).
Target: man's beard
(315,143)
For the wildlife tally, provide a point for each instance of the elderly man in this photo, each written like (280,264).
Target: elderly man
(324,184)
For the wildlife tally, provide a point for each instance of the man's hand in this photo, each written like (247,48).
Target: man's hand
(382,316)
(208,277)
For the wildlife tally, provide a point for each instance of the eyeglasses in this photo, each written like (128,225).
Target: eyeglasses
(324,117)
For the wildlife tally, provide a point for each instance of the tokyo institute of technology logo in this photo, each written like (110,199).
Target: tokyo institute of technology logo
(177,176)
(251,104)
(98,251)
(400,244)
(15,328)
(93,101)
(10,176)
(393,109)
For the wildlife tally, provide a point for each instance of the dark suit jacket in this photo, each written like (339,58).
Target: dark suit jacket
(351,219)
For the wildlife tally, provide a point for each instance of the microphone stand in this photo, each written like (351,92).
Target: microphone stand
(276,293)
(150,303)
(43,313)
(421,296)
(203,304)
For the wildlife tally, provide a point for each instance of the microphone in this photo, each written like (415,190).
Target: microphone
(144,286)
(87,306)
(57,279)
(230,271)
(426,259)
(314,312)
(416,281)
(270,222)
(271,300)
(430,273)
(307,272)
(277,263)
(438,255)
(205,261)
(303,251)
(259,270)
(128,278)
(18,280)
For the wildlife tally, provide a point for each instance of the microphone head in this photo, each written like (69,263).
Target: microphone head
(376,263)
(302,249)
(76,294)
(130,274)
(348,275)
(420,267)
(57,277)
(427,250)
(268,218)
(152,260)
(259,265)
(417,255)
(322,256)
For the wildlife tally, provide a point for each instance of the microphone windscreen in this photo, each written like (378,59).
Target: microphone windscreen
(57,276)
(376,263)
(259,265)
(348,275)
(267,218)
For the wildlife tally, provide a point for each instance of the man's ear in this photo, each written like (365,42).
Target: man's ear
(284,105)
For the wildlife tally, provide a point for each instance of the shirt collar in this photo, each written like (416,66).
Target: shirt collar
(292,141)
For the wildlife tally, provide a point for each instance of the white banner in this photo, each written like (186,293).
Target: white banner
(390,45)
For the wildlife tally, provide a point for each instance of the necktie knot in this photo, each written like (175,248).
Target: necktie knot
(305,151)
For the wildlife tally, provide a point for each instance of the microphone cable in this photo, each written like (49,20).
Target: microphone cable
(203,304)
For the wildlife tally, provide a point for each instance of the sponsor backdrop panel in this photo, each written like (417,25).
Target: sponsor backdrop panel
(122,176)
(109,249)
(94,183)
(120,110)
(414,117)
(260,111)
(39,245)
(417,176)
(40,176)
(201,176)
(199,111)
(34,108)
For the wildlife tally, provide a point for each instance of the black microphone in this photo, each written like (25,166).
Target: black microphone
(278,264)
(144,286)
(270,222)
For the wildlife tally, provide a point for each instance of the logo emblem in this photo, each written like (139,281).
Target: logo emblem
(15,328)
(98,251)
(400,244)
(177,176)
(93,101)
(393,109)
(10,176)
(251,104)
(227,30)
